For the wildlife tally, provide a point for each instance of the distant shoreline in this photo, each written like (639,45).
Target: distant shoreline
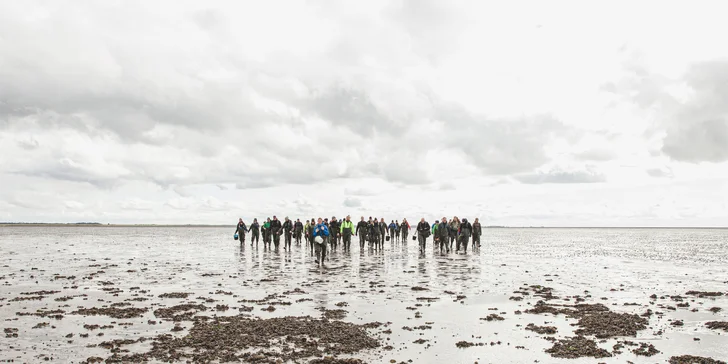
(81,224)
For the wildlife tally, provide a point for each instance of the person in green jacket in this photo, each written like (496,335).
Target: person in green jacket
(434,229)
(266,234)
(346,230)
(305,232)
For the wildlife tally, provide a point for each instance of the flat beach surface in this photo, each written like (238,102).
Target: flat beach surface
(71,294)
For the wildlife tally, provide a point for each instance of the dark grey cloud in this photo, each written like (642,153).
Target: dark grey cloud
(352,109)
(499,146)
(698,141)
(66,169)
(698,130)
(446,186)
(28,144)
(352,202)
(660,172)
(695,125)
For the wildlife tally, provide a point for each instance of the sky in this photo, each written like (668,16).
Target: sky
(520,113)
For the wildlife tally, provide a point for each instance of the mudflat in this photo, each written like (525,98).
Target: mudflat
(179,294)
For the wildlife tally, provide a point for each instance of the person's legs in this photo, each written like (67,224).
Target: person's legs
(323,250)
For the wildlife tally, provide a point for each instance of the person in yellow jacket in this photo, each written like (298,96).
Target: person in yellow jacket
(346,230)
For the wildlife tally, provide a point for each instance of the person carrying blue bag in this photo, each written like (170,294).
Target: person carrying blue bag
(320,238)
(240,231)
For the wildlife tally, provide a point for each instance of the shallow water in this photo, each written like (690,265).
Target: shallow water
(608,266)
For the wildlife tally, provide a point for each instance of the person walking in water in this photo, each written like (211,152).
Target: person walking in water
(374,233)
(268,236)
(241,229)
(297,231)
(404,229)
(392,231)
(311,228)
(305,232)
(454,228)
(383,232)
(423,231)
(464,234)
(265,231)
(254,232)
(443,234)
(321,237)
(276,230)
(361,230)
(434,232)
(287,233)
(334,231)
(346,231)
(477,230)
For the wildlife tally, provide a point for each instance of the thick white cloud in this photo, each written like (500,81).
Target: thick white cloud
(190,112)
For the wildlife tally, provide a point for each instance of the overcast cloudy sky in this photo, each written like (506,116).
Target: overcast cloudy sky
(558,113)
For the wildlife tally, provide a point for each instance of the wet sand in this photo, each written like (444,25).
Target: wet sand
(94,294)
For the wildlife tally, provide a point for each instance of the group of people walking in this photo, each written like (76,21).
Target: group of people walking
(321,234)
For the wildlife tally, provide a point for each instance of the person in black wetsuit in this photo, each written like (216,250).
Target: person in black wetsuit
(443,235)
(334,233)
(423,231)
(466,230)
(361,230)
(373,233)
(477,230)
(241,229)
(383,232)
(254,232)
(287,233)
(276,230)
(297,231)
